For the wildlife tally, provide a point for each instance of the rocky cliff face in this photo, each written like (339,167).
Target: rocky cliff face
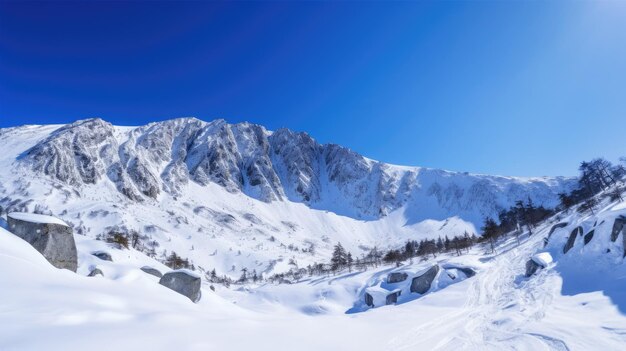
(144,162)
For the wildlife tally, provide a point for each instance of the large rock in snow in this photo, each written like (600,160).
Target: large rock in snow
(396,277)
(618,227)
(183,282)
(421,284)
(538,261)
(572,239)
(105,256)
(588,237)
(469,272)
(376,296)
(94,272)
(152,271)
(52,237)
(531,267)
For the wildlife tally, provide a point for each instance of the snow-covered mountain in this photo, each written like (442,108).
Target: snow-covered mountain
(185,184)
(230,196)
(576,302)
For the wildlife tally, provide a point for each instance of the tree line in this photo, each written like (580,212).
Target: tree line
(598,176)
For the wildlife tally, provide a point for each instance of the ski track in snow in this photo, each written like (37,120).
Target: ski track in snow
(484,321)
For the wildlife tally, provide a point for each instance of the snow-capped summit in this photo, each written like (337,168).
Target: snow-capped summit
(284,165)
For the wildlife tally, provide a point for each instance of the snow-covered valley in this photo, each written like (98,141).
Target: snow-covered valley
(498,308)
(239,197)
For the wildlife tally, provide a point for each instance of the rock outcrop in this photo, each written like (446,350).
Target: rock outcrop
(152,271)
(618,227)
(183,282)
(532,267)
(376,296)
(469,272)
(572,239)
(52,237)
(105,256)
(588,237)
(538,261)
(396,277)
(421,284)
(94,272)
(269,166)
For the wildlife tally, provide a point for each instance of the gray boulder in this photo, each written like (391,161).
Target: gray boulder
(153,271)
(396,277)
(588,237)
(572,239)
(369,299)
(469,272)
(532,267)
(618,226)
(52,237)
(421,284)
(183,282)
(94,272)
(393,297)
(105,256)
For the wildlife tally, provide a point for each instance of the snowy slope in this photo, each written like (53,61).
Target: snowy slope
(497,309)
(233,196)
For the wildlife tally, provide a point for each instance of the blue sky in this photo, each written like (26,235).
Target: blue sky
(512,88)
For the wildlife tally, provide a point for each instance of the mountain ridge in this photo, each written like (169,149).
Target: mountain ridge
(266,165)
(200,187)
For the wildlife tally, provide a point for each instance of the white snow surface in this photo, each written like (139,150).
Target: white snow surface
(36,218)
(543,259)
(497,309)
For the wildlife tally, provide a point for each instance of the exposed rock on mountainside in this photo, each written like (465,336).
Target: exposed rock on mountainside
(152,271)
(183,282)
(233,196)
(268,166)
(421,284)
(50,236)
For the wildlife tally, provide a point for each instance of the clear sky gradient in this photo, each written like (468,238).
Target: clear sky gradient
(512,88)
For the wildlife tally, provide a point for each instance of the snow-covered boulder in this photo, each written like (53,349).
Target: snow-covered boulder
(184,282)
(588,237)
(421,283)
(396,277)
(94,272)
(531,267)
(52,237)
(572,239)
(467,271)
(153,271)
(105,256)
(618,227)
(555,227)
(537,262)
(376,296)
